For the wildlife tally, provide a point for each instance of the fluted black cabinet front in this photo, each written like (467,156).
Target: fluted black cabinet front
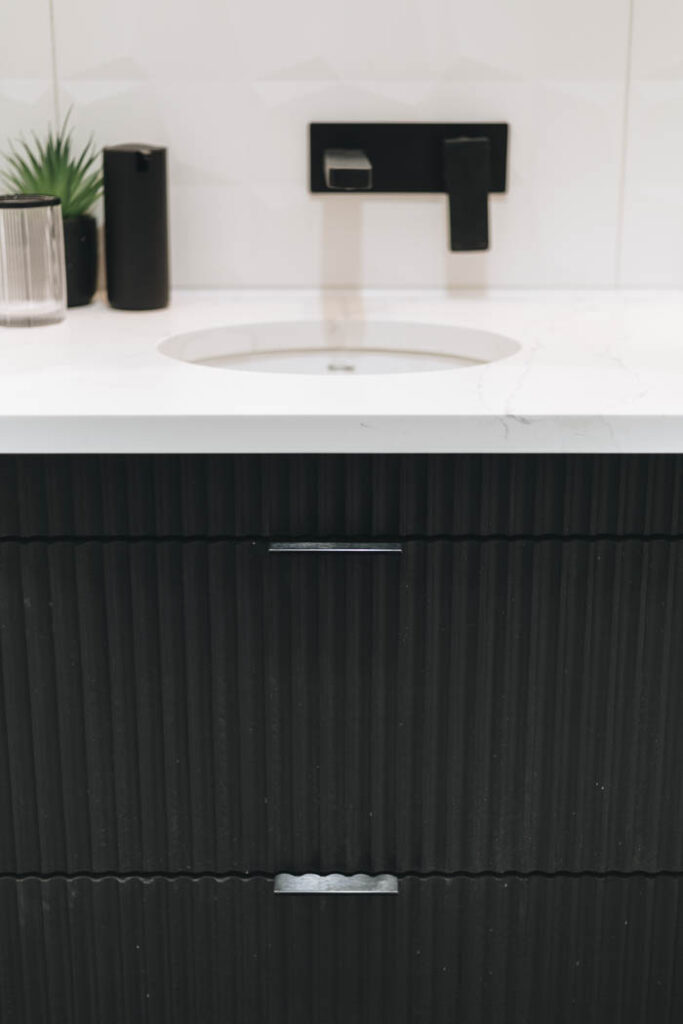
(443,950)
(460,706)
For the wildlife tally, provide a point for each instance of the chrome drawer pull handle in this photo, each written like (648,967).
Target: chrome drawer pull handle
(337,884)
(335,546)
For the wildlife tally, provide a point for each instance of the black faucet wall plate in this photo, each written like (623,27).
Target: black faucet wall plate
(405,157)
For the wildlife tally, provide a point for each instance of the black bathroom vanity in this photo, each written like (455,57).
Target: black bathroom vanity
(228,678)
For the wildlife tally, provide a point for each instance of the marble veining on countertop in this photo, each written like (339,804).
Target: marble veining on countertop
(596,372)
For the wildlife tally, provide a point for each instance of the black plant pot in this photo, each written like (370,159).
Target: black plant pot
(80,246)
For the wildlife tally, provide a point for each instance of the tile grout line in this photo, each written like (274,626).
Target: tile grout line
(626,115)
(53,61)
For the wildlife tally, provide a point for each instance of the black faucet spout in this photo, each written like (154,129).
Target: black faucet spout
(347,169)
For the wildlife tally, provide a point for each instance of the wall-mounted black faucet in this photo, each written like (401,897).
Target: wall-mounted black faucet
(467,161)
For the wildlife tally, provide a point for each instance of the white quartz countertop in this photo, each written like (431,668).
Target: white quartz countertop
(596,372)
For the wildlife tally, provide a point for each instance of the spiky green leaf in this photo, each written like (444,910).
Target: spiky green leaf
(52,167)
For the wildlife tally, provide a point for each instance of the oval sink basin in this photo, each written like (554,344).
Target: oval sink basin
(339,348)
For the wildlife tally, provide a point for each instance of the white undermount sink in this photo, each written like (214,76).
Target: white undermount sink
(339,347)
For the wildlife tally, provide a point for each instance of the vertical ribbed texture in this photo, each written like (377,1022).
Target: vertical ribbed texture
(32,274)
(344,495)
(203,706)
(464,706)
(476,951)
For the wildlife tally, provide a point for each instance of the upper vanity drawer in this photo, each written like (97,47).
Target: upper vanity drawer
(478,705)
(340,495)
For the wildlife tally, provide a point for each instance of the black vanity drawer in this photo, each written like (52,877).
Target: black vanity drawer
(460,706)
(339,495)
(475,951)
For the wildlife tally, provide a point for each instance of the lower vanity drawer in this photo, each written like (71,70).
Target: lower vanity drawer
(481,950)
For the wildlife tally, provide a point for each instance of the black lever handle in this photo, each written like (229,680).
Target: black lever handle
(467,172)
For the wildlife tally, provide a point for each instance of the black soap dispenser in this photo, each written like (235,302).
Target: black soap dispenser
(136,226)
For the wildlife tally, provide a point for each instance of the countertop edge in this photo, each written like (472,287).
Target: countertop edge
(315,434)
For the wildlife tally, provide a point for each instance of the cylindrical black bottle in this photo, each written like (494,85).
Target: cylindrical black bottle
(136,226)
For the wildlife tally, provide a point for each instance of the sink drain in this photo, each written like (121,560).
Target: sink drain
(341,368)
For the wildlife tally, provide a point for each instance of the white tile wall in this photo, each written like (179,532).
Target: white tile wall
(652,252)
(230,86)
(26,83)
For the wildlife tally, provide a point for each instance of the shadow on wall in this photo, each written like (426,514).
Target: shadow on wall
(465,270)
(343,239)
(341,263)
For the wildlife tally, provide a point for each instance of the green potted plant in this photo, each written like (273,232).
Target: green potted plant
(52,167)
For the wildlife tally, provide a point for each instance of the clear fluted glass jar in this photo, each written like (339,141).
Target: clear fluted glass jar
(32,270)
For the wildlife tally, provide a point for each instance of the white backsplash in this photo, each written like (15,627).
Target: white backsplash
(230,86)
(652,253)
